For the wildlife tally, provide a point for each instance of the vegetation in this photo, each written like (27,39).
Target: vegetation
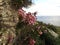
(28,31)
(16,4)
(32,32)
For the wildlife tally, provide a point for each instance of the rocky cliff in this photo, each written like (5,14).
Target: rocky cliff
(8,20)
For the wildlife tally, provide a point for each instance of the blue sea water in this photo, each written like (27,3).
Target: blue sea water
(55,20)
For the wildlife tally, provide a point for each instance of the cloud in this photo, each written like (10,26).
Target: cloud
(47,7)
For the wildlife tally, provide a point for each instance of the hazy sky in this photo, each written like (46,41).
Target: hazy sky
(45,7)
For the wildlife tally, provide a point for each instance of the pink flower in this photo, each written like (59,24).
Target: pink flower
(31,42)
(29,18)
(40,33)
(38,27)
(45,31)
(22,13)
(10,38)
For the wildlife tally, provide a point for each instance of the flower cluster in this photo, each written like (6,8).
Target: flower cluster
(29,18)
(40,32)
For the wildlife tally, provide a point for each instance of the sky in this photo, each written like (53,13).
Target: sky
(48,11)
(45,7)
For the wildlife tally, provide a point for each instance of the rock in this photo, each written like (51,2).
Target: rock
(0,40)
(9,23)
(53,33)
(1,3)
(12,23)
(7,19)
(1,8)
(9,13)
(1,0)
